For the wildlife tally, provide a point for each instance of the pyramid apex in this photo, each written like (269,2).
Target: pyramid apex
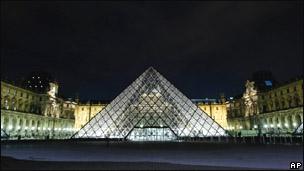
(151,68)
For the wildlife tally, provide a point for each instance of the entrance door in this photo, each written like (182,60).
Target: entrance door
(151,134)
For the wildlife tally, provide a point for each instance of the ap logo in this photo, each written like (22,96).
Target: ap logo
(295,165)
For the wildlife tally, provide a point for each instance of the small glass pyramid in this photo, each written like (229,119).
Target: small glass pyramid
(150,109)
(3,134)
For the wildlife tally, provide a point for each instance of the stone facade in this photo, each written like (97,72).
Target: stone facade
(279,109)
(47,104)
(29,126)
(217,111)
(34,115)
(85,111)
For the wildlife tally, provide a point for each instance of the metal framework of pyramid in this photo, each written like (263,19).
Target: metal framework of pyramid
(151,108)
(299,129)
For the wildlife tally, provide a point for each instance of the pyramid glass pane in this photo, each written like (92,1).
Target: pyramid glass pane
(150,109)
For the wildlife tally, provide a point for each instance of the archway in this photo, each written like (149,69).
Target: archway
(288,123)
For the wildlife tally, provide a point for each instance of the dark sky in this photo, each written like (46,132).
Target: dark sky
(96,49)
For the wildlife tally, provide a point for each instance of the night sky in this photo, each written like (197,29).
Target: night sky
(96,49)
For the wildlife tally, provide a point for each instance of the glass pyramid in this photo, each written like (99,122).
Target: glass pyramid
(151,108)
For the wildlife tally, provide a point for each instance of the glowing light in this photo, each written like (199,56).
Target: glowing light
(33,128)
(26,128)
(286,125)
(294,124)
(241,127)
(49,129)
(18,128)
(161,125)
(39,128)
(279,125)
(255,126)
(10,127)
(265,126)
(271,125)
(141,126)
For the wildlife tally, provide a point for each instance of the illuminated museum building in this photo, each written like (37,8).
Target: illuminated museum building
(34,113)
(267,107)
(162,112)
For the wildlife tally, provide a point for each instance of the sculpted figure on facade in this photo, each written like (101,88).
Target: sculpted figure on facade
(52,107)
(250,99)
